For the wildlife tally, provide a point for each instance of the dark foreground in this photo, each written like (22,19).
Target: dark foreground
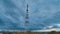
(30,32)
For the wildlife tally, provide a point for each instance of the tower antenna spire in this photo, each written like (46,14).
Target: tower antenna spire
(27,18)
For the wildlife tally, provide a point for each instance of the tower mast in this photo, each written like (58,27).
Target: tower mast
(27,20)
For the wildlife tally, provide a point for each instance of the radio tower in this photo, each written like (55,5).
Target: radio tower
(27,20)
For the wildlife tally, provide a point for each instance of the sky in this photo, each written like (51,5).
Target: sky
(43,14)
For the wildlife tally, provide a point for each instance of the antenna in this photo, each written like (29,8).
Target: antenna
(27,19)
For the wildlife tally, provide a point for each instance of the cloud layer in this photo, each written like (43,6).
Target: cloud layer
(43,14)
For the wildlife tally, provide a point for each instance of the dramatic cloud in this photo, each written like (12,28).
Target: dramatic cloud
(43,14)
(12,14)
